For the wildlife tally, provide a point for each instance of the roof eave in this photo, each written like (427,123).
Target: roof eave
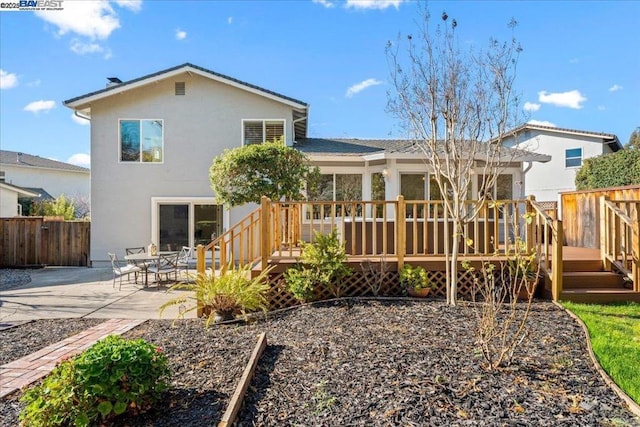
(80,103)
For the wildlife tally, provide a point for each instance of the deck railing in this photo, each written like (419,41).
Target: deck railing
(546,236)
(238,246)
(398,228)
(387,228)
(620,237)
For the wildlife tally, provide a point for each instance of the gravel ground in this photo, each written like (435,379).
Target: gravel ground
(10,278)
(374,363)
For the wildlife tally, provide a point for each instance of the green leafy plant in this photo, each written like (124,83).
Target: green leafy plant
(233,292)
(300,282)
(323,263)
(108,379)
(414,277)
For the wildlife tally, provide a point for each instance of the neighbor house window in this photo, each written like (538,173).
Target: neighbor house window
(141,141)
(573,158)
(259,131)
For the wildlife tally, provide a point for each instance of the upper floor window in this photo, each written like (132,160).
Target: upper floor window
(573,158)
(141,141)
(259,131)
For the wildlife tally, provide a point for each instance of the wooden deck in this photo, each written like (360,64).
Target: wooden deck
(393,233)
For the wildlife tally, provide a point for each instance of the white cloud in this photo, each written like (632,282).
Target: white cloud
(373,4)
(230,20)
(80,121)
(181,35)
(601,108)
(133,5)
(615,88)
(80,159)
(82,48)
(37,106)
(8,80)
(531,106)
(93,19)
(325,3)
(571,99)
(34,83)
(542,123)
(359,87)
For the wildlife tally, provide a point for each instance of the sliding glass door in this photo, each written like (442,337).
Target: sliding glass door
(187,223)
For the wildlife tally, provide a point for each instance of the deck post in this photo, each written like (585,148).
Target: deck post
(401,231)
(265,231)
(530,224)
(635,253)
(200,266)
(556,261)
(604,234)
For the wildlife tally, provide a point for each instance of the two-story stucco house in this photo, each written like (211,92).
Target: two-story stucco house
(45,176)
(567,148)
(153,140)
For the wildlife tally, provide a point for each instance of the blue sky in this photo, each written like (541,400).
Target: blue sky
(579,68)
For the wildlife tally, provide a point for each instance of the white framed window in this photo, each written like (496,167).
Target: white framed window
(259,131)
(573,158)
(183,221)
(141,140)
(335,187)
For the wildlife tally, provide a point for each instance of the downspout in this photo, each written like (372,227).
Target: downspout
(77,114)
(293,126)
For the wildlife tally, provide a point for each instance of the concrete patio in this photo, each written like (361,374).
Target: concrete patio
(74,292)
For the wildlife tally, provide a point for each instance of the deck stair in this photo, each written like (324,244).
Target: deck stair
(585,280)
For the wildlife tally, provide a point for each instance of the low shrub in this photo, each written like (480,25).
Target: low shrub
(108,379)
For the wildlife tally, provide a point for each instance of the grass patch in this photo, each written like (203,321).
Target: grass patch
(614,330)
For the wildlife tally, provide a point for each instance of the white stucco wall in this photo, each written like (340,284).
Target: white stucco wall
(197,127)
(546,180)
(8,203)
(73,184)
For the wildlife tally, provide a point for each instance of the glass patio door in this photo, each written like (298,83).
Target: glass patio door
(188,224)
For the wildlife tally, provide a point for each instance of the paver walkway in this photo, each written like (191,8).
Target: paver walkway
(19,373)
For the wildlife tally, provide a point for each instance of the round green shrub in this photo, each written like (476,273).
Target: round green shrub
(108,379)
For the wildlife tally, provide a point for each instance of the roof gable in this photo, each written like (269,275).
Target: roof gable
(607,138)
(79,102)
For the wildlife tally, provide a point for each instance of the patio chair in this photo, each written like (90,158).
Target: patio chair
(140,250)
(184,258)
(167,264)
(121,269)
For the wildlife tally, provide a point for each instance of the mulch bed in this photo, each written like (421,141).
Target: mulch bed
(376,363)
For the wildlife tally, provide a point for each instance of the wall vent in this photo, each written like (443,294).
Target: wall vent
(180,88)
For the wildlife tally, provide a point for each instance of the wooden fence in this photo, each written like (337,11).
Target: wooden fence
(36,241)
(581,213)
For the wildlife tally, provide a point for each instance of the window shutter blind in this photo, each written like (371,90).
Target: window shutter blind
(180,88)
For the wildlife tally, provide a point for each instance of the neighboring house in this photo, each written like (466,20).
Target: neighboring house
(54,177)
(153,140)
(567,147)
(9,194)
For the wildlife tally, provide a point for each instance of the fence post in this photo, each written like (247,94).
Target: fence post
(265,231)
(556,261)
(200,266)
(401,231)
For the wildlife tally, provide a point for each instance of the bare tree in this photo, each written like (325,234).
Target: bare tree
(457,106)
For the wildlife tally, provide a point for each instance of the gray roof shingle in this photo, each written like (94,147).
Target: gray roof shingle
(16,158)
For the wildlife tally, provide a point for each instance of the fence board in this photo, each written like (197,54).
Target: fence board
(581,213)
(29,241)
